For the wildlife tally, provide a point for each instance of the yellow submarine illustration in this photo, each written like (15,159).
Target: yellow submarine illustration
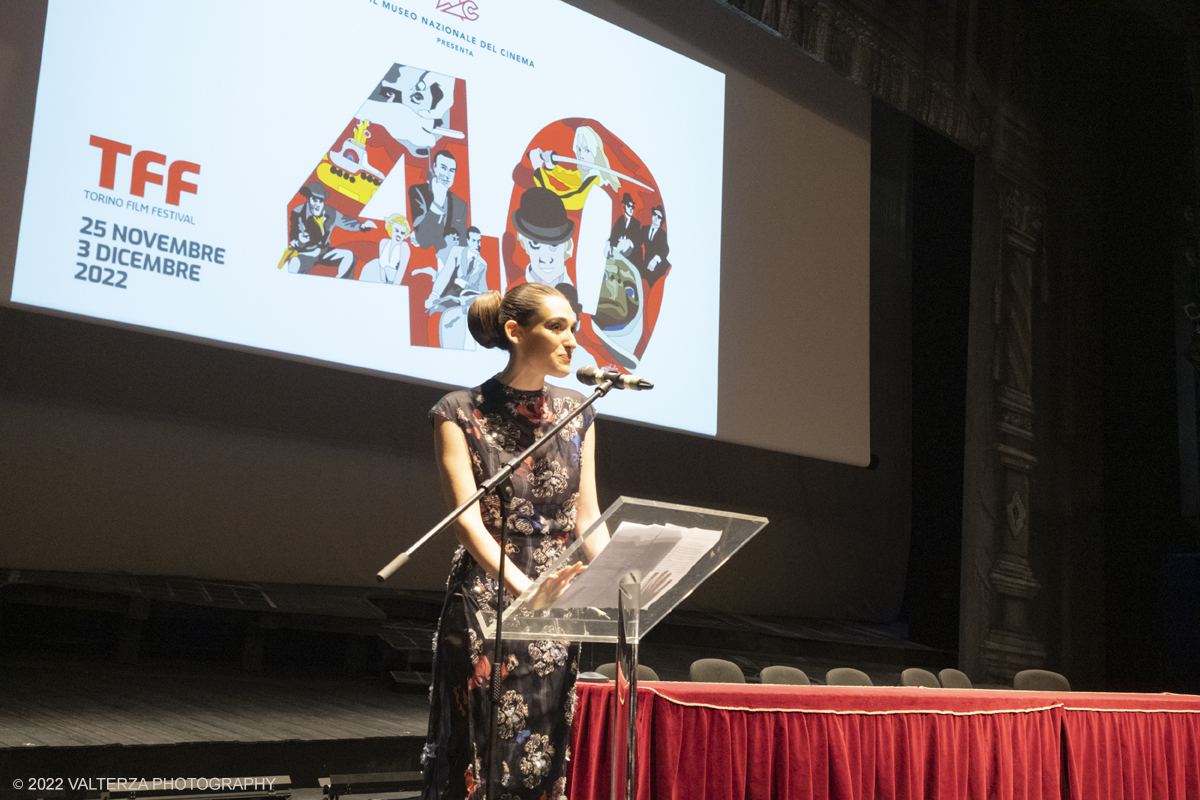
(348,170)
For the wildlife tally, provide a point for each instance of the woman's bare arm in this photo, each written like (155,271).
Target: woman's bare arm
(458,483)
(587,507)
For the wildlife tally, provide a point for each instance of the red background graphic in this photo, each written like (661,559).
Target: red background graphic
(560,137)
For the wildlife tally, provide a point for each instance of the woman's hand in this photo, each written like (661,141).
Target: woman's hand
(554,585)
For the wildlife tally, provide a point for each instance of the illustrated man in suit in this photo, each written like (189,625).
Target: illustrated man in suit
(309,227)
(435,209)
(459,280)
(654,247)
(626,231)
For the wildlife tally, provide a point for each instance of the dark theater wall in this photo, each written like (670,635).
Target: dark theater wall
(122,451)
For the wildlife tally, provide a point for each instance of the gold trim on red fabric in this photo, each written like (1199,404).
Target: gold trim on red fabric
(678,702)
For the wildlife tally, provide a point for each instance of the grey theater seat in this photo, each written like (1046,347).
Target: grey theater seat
(788,676)
(847,676)
(915,676)
(609,671)
(955,679)
(715,670)
(1041,680)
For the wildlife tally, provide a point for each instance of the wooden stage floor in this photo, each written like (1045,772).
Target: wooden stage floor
(90,719)
(58,704)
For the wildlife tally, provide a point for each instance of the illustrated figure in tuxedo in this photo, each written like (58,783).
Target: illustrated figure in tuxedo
(435,209)
(461,277)
(654,247)
(626,231)
(452,243)
(309,227)
(475,272)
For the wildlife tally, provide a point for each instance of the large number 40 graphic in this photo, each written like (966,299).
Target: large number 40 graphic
(390,203)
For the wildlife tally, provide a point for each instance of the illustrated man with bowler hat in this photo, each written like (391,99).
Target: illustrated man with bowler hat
(544,231)
(309,227)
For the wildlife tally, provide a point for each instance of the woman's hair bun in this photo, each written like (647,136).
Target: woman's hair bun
(483,320)
(490,312)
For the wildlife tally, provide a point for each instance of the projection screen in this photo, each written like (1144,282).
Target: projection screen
(336,182)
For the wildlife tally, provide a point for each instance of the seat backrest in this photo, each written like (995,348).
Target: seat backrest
(609,671)
(715,670)
(1041,680)
(955,679)
(789,676)
(847,676)
(915,676)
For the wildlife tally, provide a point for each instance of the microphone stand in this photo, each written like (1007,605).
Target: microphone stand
(501,485)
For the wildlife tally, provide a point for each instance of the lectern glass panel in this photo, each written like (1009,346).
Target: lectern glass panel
(670,549)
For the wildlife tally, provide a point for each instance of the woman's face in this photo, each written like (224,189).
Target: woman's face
(583,150)
(549,341)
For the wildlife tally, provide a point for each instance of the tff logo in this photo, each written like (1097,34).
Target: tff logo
(463,9)
(141,174)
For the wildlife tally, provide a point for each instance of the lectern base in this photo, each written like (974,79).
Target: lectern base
(624,761)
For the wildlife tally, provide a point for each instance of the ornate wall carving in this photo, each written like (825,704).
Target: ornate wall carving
(883,54)
(1010,644)
(927,60)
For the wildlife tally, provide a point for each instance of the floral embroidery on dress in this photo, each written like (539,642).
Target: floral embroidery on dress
(536,762)
(500,433)
(489,510)
(466,421)
(523,517)
(529,406)
(458,565)
(483,590)
(547,478)
(559,792)
(565,516)
(547,551)
(562,407)
(547,655)
(513,713)
(474,646)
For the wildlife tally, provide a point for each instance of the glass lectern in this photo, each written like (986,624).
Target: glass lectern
(643,558)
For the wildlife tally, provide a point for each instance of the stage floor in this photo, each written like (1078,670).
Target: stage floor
(188,701)
(88,719)
(58,703)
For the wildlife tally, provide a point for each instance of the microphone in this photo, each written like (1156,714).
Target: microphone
(594,376)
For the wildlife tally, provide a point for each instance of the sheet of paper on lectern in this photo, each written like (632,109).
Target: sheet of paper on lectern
(663,553)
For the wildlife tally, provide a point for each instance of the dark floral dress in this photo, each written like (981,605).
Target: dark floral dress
(538,692)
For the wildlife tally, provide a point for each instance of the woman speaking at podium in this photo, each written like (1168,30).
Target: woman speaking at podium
(475,432)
